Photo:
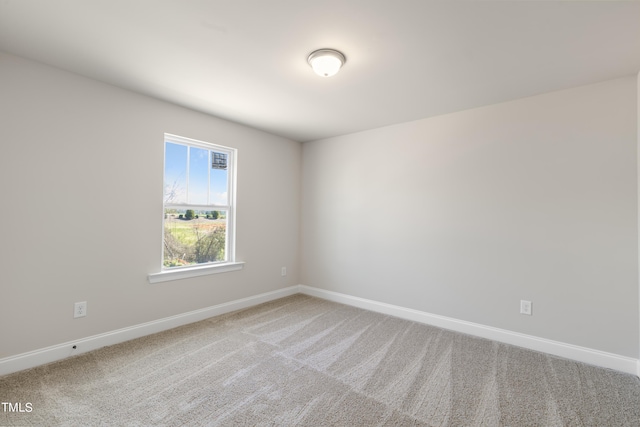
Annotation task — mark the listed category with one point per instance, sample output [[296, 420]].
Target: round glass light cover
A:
[[326, 63]]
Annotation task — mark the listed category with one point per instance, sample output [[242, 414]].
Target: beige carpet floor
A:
[[306, 361]]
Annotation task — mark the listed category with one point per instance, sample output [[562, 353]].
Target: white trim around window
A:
[[199, 270], [220, 157]]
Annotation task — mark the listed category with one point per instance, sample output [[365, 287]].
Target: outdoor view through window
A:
[[197, 202]]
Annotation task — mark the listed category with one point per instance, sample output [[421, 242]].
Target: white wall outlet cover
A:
[[80, 309], [526, 307]]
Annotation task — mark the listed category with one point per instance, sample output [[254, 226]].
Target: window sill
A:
[[185, 273]]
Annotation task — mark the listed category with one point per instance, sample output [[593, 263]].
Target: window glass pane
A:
[[197, 179], [198, 175], [175, 173], [219, 179], [194, 237]]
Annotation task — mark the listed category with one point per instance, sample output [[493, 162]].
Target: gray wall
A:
[[461, 215], [81, 172], [465, 214]]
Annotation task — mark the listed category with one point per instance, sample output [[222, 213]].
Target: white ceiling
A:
[[245, 60]]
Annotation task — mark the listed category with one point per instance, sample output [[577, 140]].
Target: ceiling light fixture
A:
[[326, 62]]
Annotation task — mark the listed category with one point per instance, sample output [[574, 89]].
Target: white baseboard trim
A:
[[61, 351], [569, 351]]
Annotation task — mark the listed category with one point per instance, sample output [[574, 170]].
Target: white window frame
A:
[[230, 264]]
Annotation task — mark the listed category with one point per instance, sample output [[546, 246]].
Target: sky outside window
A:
[[198, 176], [175, 173], [219, 186], [207, 185]]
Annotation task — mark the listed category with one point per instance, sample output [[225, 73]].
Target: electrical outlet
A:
[[526, 307], [283, 271], [80, 309]]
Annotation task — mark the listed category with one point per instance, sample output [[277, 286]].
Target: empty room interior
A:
[[443, 232]]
